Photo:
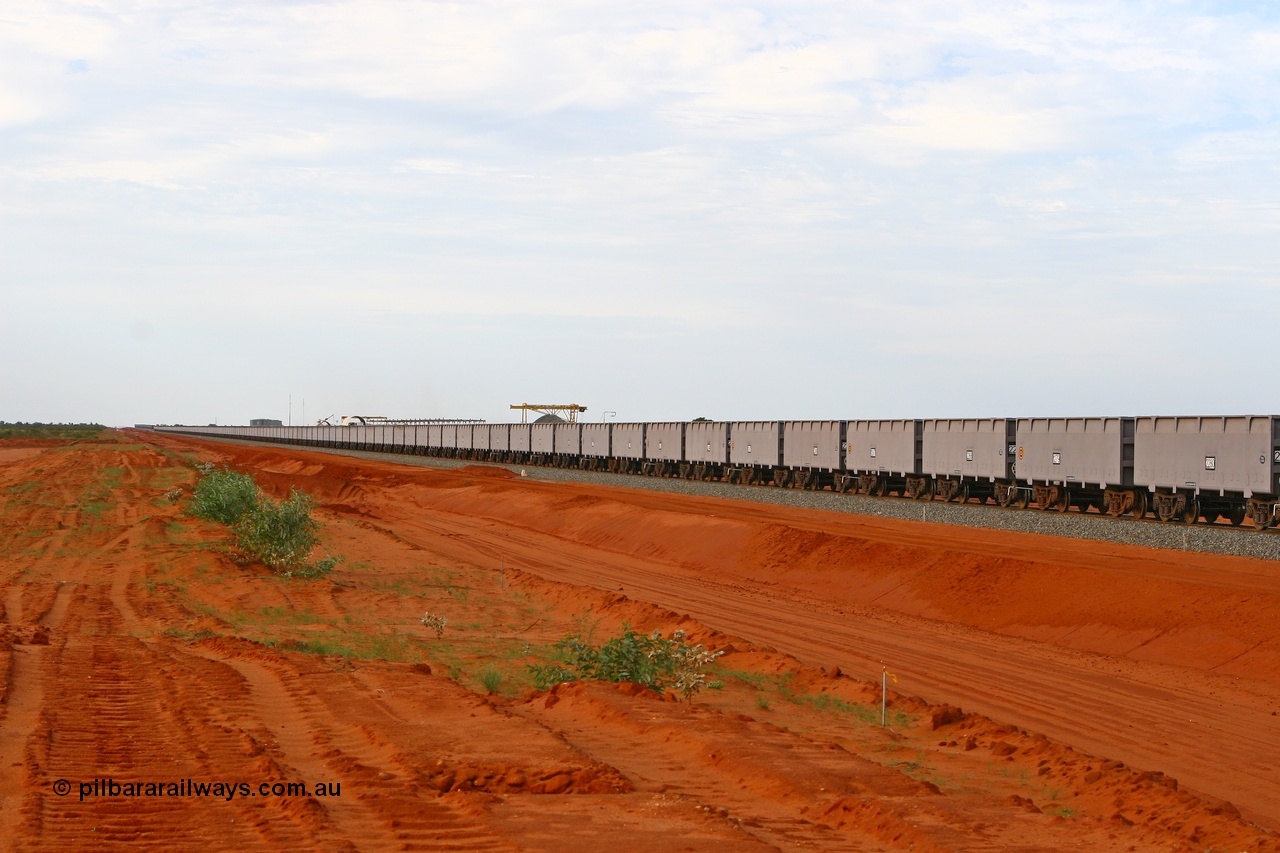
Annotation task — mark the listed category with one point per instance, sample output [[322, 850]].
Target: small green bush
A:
[[649, 660], [225, 496], [281, 535], [490, 679]]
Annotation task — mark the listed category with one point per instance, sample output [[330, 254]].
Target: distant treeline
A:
[[22, 429]]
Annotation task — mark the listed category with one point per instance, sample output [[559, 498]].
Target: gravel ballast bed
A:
[[1216, 539]]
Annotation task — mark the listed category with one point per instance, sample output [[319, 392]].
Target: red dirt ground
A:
[[1115, 698]]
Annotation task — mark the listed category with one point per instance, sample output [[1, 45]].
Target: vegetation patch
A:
[[67, 432], [224, 496], [279, 534], [649, 660]]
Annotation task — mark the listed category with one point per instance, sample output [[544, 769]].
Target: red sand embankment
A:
[[133, 641]]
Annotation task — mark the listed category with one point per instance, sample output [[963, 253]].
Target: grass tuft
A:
[[490, 679]]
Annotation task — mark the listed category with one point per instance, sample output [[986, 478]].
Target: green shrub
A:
[[225, 496], [281, 535], [651, 661], [490, 679]]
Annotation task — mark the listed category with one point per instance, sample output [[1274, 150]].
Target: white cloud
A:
[[732, 170]]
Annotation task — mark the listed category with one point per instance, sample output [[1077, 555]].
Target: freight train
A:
[[1178, 468]]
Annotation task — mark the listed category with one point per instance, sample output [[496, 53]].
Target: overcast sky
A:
[[663, 210]]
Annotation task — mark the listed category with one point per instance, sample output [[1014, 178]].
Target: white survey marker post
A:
[[885, 675]]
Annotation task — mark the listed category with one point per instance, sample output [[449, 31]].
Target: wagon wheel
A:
[[1236, 515], [960, 495], [1064, 501], [1191, 512], [1139, 508], [1023, 499]]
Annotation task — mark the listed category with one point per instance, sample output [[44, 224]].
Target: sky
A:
[[217, 211]]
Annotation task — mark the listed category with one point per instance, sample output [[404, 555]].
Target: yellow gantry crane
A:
[[569, 410]]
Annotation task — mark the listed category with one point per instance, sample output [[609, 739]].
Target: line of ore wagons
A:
[[1179, 468]]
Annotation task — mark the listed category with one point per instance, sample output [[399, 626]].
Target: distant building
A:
[[265, 422]]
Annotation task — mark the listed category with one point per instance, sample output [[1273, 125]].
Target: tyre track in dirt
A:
[[660, 738], [99, 704], [35, 606], [1221, 745], [317, 746]]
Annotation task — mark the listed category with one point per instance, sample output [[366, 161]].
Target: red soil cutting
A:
[[1114, 698]]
